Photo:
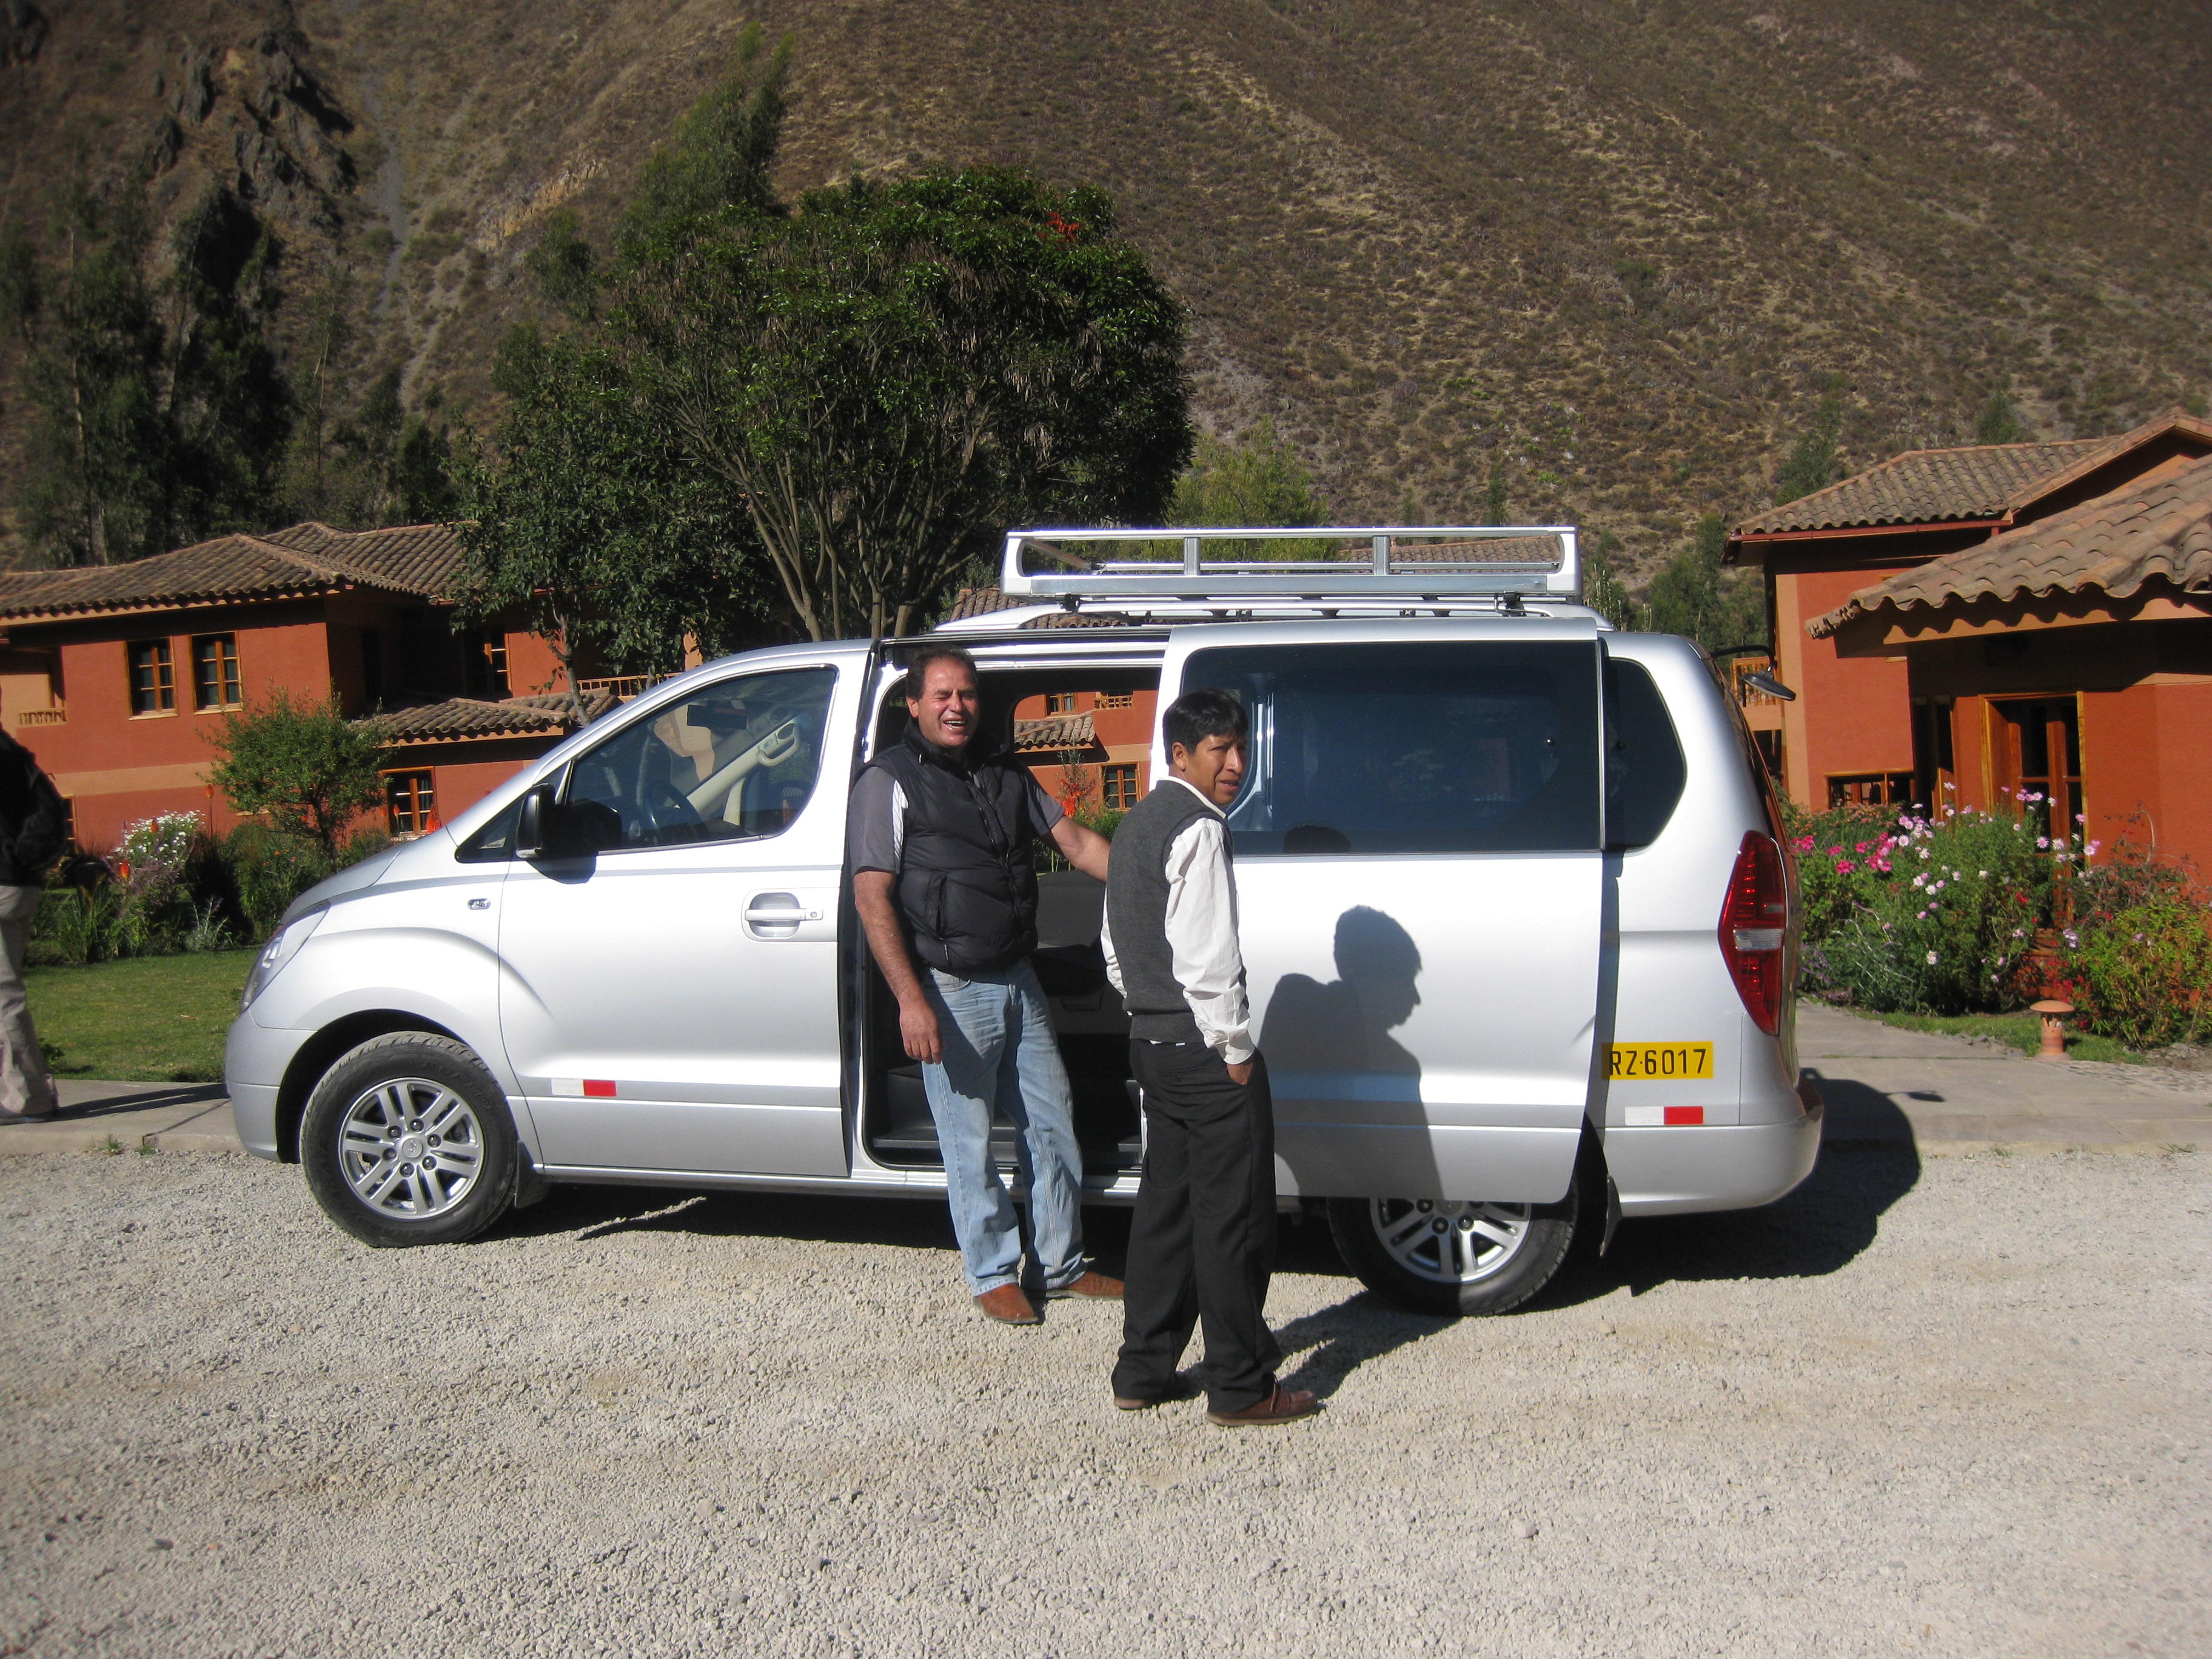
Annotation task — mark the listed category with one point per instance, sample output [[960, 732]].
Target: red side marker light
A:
[[1685, 1114], [602, 1087]]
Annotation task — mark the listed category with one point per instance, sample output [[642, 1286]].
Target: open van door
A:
[[1419, 855]]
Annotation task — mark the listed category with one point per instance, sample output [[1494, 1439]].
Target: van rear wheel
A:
[[407, 1140], [1454, 1256]]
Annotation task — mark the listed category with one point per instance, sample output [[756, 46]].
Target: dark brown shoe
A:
[[1095, 1285], [1010, 1304], [1181, 1389], [1283, 1406]]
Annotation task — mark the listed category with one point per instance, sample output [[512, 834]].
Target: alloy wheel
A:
[[1449, 1241], [410, 1148]]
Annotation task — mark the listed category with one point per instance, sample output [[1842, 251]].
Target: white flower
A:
[[2020, 933], [1985, 875], [1931, 958]]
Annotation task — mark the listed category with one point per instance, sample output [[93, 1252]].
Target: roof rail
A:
[[1432, 561]]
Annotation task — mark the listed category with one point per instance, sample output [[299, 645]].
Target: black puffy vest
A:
[[966, 884]]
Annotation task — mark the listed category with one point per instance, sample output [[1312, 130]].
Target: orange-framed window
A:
[[410, 803], [2036, 758], [1060, 703], [1120, 786], [152, 678], [1870, 788], [216, 680]]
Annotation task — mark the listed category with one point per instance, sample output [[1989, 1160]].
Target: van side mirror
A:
[[549, 827], [530, 827]]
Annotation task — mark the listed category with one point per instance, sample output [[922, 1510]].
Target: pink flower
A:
[[1845, 867], [1861, 847], [1835, 852]]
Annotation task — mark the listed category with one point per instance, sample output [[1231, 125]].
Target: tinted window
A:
[[1644, 770], [1415, 748], [737, 759]]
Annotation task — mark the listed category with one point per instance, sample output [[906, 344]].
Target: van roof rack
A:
[[1432, 561]]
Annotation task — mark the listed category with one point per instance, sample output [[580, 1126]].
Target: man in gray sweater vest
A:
[[1202, 1243]]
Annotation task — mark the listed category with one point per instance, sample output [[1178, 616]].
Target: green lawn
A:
[[2021, 1031], [145, 1020]]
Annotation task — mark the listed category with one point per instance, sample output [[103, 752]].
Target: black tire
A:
[[434, 1187], [1502, 1278]]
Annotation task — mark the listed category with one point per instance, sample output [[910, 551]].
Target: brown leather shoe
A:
[[1181, 1389], [1096, 1285], [1010, 1305], [1283, 1406]]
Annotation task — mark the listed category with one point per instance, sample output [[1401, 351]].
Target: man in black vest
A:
[[1202, 1243], [942, 840]]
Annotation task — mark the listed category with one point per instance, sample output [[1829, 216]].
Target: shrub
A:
[[1930, 916], [303, 764], [268, 869]]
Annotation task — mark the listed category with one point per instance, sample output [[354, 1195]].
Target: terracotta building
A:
[[115, 676], [1863, 729], [2069, 657]]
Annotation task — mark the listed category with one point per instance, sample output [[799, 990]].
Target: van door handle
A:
[[776, 915]]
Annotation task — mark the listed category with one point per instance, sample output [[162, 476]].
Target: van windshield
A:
[[1433, 747]]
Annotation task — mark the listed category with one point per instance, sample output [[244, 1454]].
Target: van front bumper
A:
[[254, 1059]]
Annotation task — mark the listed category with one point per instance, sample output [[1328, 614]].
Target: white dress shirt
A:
[[1201, 927]]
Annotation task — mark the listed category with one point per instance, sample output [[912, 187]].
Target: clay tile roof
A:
[[1926, 486], [983, 601], [1081, 619], [2160, 529], [460, 719], [1942, 486], [1474, 549], [1054, 733], [422, 560]]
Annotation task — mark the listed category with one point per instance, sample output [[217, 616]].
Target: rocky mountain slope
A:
[[1617, 247]]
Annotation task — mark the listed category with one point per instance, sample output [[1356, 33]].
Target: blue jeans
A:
[[998, 1048]]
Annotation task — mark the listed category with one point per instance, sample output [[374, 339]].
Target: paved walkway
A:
[[1944, 1095], [130, 1117], [1948, 1095]]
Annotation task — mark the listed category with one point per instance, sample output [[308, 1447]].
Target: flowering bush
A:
[[1932, 915]]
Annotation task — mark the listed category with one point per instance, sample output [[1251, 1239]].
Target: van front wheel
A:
[[1454, 1256], [406, 1140]]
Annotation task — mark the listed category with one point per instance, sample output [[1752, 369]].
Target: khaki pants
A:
[[26, 1086]]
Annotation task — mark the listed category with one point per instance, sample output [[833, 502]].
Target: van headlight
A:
[[283, 946]]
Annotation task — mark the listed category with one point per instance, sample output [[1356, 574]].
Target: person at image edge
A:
[[33, 833]]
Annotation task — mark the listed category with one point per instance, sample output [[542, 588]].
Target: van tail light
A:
[[1755, 929]]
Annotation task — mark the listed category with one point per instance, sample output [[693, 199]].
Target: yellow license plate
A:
[[1637, 1061]]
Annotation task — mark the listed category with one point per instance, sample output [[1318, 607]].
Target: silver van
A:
[[1518, 920]]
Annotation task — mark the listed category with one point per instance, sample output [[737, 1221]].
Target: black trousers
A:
[[1202, 1243]]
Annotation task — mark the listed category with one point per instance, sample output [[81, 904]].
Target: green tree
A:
[[1999, 422], [1817, 461], [226, 401], [585, 517], [1259, 480], [722, 152], [303, 765], [158, 412], [566, 267], [890, 376], [1696, 597], [1603, 589], [1493, 494], [92, 370]]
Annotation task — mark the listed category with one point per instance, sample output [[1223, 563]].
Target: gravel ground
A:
[[1958, 1409]]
